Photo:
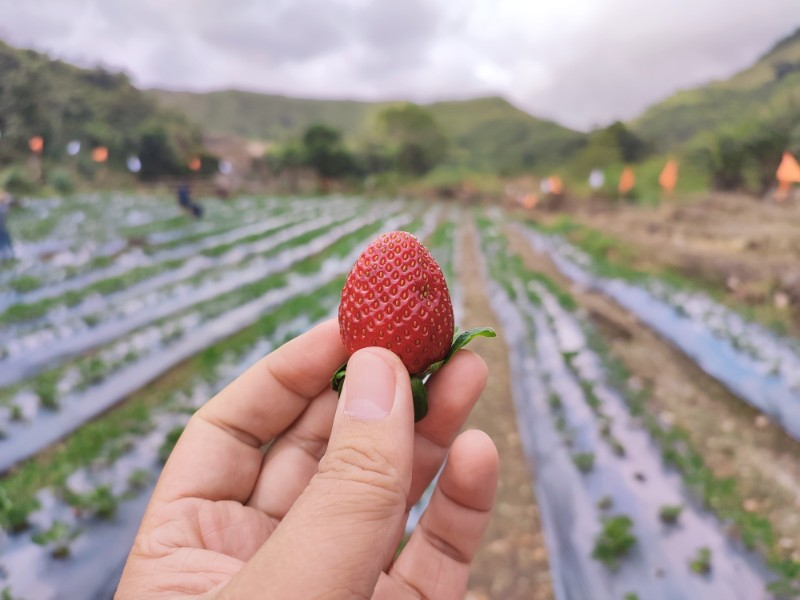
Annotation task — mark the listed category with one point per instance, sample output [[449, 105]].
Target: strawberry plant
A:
[[584, 461], [701, 563], [669, 514], [614, 541]]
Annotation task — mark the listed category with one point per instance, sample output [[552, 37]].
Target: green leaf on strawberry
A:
[[418, 391]]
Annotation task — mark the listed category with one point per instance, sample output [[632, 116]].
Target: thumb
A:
[[343, 529]]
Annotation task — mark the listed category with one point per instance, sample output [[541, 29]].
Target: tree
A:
[[414, 139], [631, 147], [324, 152], [158, 155]]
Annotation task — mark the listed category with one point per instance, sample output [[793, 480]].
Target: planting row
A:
[[325, 258], [62, 510], [139, 312], [758, 366], [120, 296], [619, 522]]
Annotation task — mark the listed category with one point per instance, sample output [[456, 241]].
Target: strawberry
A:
[[396, 297]]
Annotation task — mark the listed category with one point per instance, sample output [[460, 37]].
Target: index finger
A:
[[218, 457]]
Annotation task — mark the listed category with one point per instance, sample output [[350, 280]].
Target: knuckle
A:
[[369, 469]]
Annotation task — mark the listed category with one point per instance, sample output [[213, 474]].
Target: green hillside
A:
[[61, 102], [768, 90], [265, 116], [485, 133]]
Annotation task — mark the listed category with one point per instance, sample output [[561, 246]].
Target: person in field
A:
[[6, 246], [186, 203]]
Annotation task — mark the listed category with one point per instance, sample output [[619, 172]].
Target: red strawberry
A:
[[396, 297]]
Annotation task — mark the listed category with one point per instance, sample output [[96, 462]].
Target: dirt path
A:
[[735, 439], [749, 248], [512, 561]]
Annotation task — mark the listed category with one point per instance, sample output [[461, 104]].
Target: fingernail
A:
[[369, 386]]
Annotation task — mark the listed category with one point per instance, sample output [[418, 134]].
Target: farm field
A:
[[649, 431]]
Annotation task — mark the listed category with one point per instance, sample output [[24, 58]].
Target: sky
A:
[[583, 63]]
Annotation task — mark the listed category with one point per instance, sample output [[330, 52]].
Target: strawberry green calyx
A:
[[418, 391]]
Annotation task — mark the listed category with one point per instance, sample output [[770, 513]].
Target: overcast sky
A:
[[581, 62]]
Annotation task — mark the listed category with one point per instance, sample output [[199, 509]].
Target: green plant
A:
[[169, 443], [701, 563], [62, 182], [614, 541], [14, 515], [58, 537], [605, 503], [46, 387], [92, 371], [24, 284], [669, 514], [16, 181], [584, 461], [138, 479], [631, 596], [99, 502]]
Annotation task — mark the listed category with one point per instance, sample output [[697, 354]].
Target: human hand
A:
[[321, 513]]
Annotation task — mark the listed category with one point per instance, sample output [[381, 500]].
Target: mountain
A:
[[60, 102], [768, 90], [485, 133]]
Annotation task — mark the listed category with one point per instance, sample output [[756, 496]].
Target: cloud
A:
[[582, 62]]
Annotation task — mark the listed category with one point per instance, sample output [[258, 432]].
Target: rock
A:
[[781, 300], [667, 418], [761, 422], [786, 543], [750, 505]]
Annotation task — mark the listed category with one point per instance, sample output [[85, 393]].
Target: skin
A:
[[321, 512]]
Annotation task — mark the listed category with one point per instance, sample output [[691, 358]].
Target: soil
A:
[[735, 439], [747, 247], [512, 561]]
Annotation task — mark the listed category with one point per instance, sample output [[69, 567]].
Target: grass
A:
[[614, 541]]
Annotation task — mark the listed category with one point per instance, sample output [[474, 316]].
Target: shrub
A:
[[16, 181], [614, 541], [62, 182]]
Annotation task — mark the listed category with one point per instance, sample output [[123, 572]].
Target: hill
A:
[[61, 103], [485, 133], [768, 90]]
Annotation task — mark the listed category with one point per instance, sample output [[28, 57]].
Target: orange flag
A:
[[789, 170], [530, 200], [194, 164], [36, 144], [788, 173], [100, 154], [669, 176], [626, 181]]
